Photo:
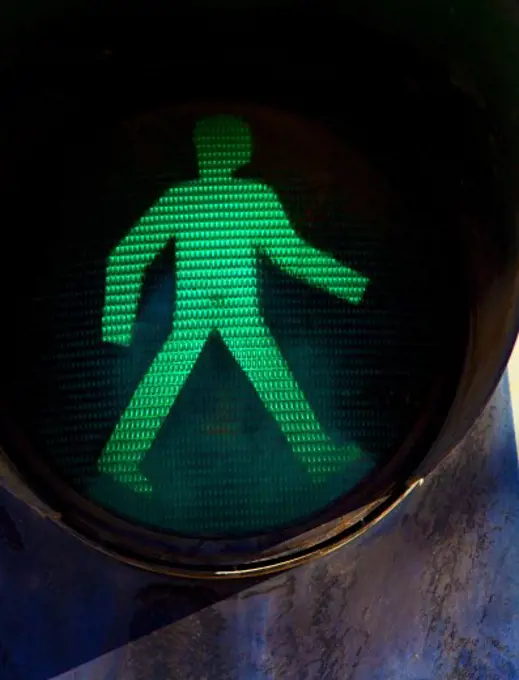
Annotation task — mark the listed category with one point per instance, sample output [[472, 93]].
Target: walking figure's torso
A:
[[217, 233]]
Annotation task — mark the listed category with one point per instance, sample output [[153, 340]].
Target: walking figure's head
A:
[[223, 144]]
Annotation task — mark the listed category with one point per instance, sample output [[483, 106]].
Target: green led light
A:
[[221, 225]]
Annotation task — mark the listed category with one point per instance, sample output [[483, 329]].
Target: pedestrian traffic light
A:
[[241, 315]]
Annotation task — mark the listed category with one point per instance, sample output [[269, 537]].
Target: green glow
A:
[[220, 224]]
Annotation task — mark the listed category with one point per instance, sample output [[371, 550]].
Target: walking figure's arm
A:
[[298, 258], [126, 268]]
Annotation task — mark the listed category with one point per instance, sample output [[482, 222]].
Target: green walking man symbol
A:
[[220, 224]]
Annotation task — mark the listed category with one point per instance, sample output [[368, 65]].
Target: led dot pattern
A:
[[221, 224], [211, 366]]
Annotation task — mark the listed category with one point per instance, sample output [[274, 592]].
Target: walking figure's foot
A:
[[129, 477], [349, 460], [136, 481]]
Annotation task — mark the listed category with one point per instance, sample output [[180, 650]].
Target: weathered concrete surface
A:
[[432, 592]]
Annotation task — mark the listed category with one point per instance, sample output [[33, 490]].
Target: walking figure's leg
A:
[[260, 358], [150, 404]]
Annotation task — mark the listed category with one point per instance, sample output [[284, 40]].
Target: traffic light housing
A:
[[393, 167]]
